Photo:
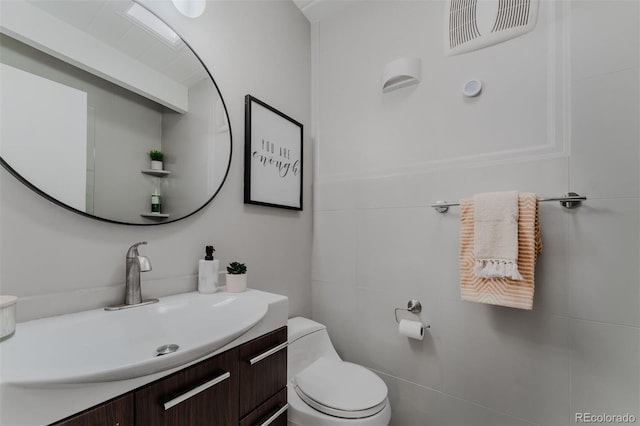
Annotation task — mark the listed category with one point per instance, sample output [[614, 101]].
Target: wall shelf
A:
[[157, 173], [155, 215]]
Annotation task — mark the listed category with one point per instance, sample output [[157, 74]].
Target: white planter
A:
[[236, 283], [156, 165], [7, 315]]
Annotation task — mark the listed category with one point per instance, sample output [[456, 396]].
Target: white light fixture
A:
[[190, 8], [472, 88], [151, 22], [402, 72]]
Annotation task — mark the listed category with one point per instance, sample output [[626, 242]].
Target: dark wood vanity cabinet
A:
[[117, 412], [203, 394], [243, 386], [263, 376], [273, 410]]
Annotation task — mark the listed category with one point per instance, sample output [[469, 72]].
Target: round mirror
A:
[[94, 93]]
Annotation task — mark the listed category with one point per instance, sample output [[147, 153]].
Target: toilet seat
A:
[[341, 389]]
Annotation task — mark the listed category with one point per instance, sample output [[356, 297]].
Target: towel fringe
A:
[[497, 268]]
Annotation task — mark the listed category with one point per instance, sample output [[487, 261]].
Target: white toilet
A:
[[323, 389]]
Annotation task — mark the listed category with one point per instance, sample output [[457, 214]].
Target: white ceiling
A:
[[106, 21]]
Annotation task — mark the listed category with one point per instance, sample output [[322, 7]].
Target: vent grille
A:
[[474, 24], [512, 14], [463, 26]]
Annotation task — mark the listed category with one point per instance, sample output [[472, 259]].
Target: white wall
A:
[[60, 262], [35, 108], [122, 128], [570, 93], [187, 142]]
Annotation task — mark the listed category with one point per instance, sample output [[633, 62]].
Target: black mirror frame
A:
[[102, 219]]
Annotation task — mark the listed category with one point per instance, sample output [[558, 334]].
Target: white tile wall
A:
[[547, 177], [603, 262], [513, 361], [333, 195], [394, 249], [605, 371], [396, 191], [334, 248], [381, 346], [334, 306], [605, 134], [578, 350], [604, 37], [418, 405]]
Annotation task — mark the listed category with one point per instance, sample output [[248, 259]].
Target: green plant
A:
[[156, 155], [236, 268]]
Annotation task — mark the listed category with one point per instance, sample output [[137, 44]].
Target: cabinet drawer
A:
[[118, 412], [203, 394], [273, 412], [262, 369]]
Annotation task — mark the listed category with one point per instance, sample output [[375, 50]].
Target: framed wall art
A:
[[272, 157]]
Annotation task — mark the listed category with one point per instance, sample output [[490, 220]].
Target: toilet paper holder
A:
[[413, 306]]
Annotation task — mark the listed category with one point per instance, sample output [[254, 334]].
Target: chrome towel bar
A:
[[569, 201]]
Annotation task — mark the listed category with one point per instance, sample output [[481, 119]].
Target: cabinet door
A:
[[272, 412], [263, 369], [118, 412], [203, 394]]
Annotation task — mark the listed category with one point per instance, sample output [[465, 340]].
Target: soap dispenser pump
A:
[[208, 272]]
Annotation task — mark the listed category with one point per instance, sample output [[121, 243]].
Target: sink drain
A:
[[166, 349]]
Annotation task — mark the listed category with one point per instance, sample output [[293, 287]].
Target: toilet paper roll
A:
[[412, 329]]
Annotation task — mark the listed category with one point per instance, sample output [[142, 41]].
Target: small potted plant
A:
[[156, 159], [236, 277]]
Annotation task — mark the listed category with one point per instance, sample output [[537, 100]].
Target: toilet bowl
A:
[[322, 389]]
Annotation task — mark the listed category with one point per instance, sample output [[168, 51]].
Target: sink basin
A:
[[99, 346]]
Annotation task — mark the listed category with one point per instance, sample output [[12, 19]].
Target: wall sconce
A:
[[402, 72], [190, 8]]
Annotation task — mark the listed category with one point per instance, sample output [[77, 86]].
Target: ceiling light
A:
[[152, 23], [190, 8]]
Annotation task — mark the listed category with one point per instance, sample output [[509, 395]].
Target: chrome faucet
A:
[[135, 264]]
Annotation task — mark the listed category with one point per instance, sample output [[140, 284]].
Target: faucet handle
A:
[[145, 264]]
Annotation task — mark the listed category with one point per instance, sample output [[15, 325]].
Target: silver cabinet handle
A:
[[193, 392], [275, 415], [267, 354]]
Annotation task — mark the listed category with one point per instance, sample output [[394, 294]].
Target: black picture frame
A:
[[273, 157]]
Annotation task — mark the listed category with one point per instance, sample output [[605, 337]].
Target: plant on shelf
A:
[[236, 277], [156, 159], [156, 155], [236, 268]]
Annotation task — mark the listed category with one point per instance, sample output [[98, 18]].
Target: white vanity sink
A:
[[100, 346]]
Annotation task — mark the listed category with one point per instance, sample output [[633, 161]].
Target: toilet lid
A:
[[341, 389]]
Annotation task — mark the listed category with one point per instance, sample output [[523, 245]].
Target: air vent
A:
[[463, 26], [474, 24]]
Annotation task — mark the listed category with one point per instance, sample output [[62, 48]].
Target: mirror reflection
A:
[[89, 90]]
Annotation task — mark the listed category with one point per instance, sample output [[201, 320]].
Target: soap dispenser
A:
[[208, 272], [155, 202]]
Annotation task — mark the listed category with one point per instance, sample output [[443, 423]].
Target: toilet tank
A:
[[308, 340]]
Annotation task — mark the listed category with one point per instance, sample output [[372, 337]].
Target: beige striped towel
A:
[[502, 291], [495, 234]]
